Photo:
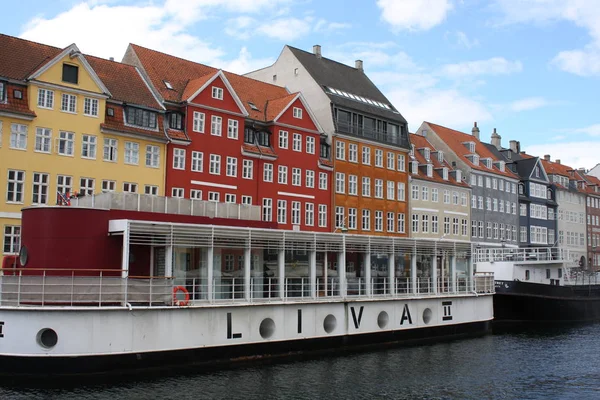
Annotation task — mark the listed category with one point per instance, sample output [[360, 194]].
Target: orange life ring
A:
[[183, 302]]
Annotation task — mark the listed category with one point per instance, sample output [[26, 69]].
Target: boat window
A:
[[526, 274]]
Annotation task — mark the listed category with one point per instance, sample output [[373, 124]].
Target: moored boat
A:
[[126, 281]]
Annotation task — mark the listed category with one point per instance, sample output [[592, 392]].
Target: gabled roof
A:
[[332, 74], [124, 82], [523, 163], [421, 142], [73, 51], [19, 58], [455, 139], [276, 107], [161, 67], [196, 86], [592, 183], [553, 168]]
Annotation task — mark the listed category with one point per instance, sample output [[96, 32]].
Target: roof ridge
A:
[[323, 58], [32, 42]]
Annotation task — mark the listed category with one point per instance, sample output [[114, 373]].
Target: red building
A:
[[238, 140]]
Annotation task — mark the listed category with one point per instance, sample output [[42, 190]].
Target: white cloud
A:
[[492, 66], [582, 13], [324, 26], [463, 40], [286, 29], [592, 130], [574, 154], [414, 15], [163, 26], [244, 63], [529, 103], [446, 107]]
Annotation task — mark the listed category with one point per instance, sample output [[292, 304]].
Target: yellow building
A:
[[72, 123]]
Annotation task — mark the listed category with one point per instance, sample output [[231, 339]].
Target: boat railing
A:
[[105, 288], [535, 254], [168, 205]]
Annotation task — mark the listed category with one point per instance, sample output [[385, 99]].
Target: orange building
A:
[[370, 183]]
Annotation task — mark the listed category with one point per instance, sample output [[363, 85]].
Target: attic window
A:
[[253, 106], [297, 113], [429, 170], [475, 159], [17, 94], [458, 175], [2, 91], [537, 172], [415, 167], [427, 153], [412, 150], [470, 146], [488, 162], [168, 85], [70, 73], [502, 166], [296, 71], [440, 156], [110, 111], [217, 93], [445, 173]]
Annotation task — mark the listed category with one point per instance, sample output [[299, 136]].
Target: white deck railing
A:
[[495, 254], [169, 205], [19, 288]]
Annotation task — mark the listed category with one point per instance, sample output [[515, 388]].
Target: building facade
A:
[[368, 135], [591, 186], [571, 216], [494, 199], [537, 197], [60, 129], [237, 140]]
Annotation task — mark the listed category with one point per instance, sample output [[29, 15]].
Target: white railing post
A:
[[367, 264]]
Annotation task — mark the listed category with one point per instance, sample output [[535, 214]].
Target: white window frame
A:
[[152, 156], [283, 139], [247, 169], [178, 158], [232, 128], [68, 103], [89, 146], [216, 125], [231, 167], [110, 149], [132, 153], [297, 142], [43, 140], [45, 99], [198, 122], [217, 93], [90, 107], [151, 190], [197, 161], [68, 140], [267, 172], [215, 164]]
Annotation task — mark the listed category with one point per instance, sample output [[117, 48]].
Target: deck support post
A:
[[210, 254], [413, 273], [434, 275], [281, 269], [312, 260], [247, 269], [342, 267], [392, 274], [453, 273]]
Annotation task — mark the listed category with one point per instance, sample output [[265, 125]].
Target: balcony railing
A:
[[532, 255], [374, 134], [106, 288], [169, 205]]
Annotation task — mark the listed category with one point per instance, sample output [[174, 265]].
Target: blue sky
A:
[[529, 68]]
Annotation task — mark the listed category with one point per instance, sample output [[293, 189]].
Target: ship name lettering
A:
[[230, 334], [357, 320], [406, 315]]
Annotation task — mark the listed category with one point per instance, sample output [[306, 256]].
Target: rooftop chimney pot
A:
[[496, 140], [475, 131], [317, 50], [557, 161], [359, 65], [112, 59], [547, 157]]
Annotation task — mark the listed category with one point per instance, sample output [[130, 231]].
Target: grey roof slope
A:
[[340, 76], [523, 165]]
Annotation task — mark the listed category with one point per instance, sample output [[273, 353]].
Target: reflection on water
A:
[[553, 362]]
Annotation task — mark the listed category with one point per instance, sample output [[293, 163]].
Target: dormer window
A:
[[487, 162], [175, 121], [297, 112], [502, 166], [440, 156], [70, 73], [537, 171], [412, 150], [415, 167], [142, 118], [549, 194], [2, 91], [458, 175], [249, 134], [475, 159], [445, 173], [263, 138], [470, 146], [429, 170], [217, 93], [427, 153]]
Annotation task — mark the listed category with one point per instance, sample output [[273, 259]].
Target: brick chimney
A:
[[547, 157], [358, 64], [317, 50], [515, 146], [557, 161], [475, 130], [496, 140]]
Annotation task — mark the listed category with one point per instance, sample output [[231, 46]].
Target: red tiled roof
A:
[[178, 135], [19, 58], [17, 106], [178, 72], [553, 168], [117, 123], [276, 106], [194, 85], [421, 142], [123, 81], [326, 162], [260, 150], [592, 183], [455, 139]]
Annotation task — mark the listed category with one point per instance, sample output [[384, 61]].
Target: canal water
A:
[[549, 363]]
